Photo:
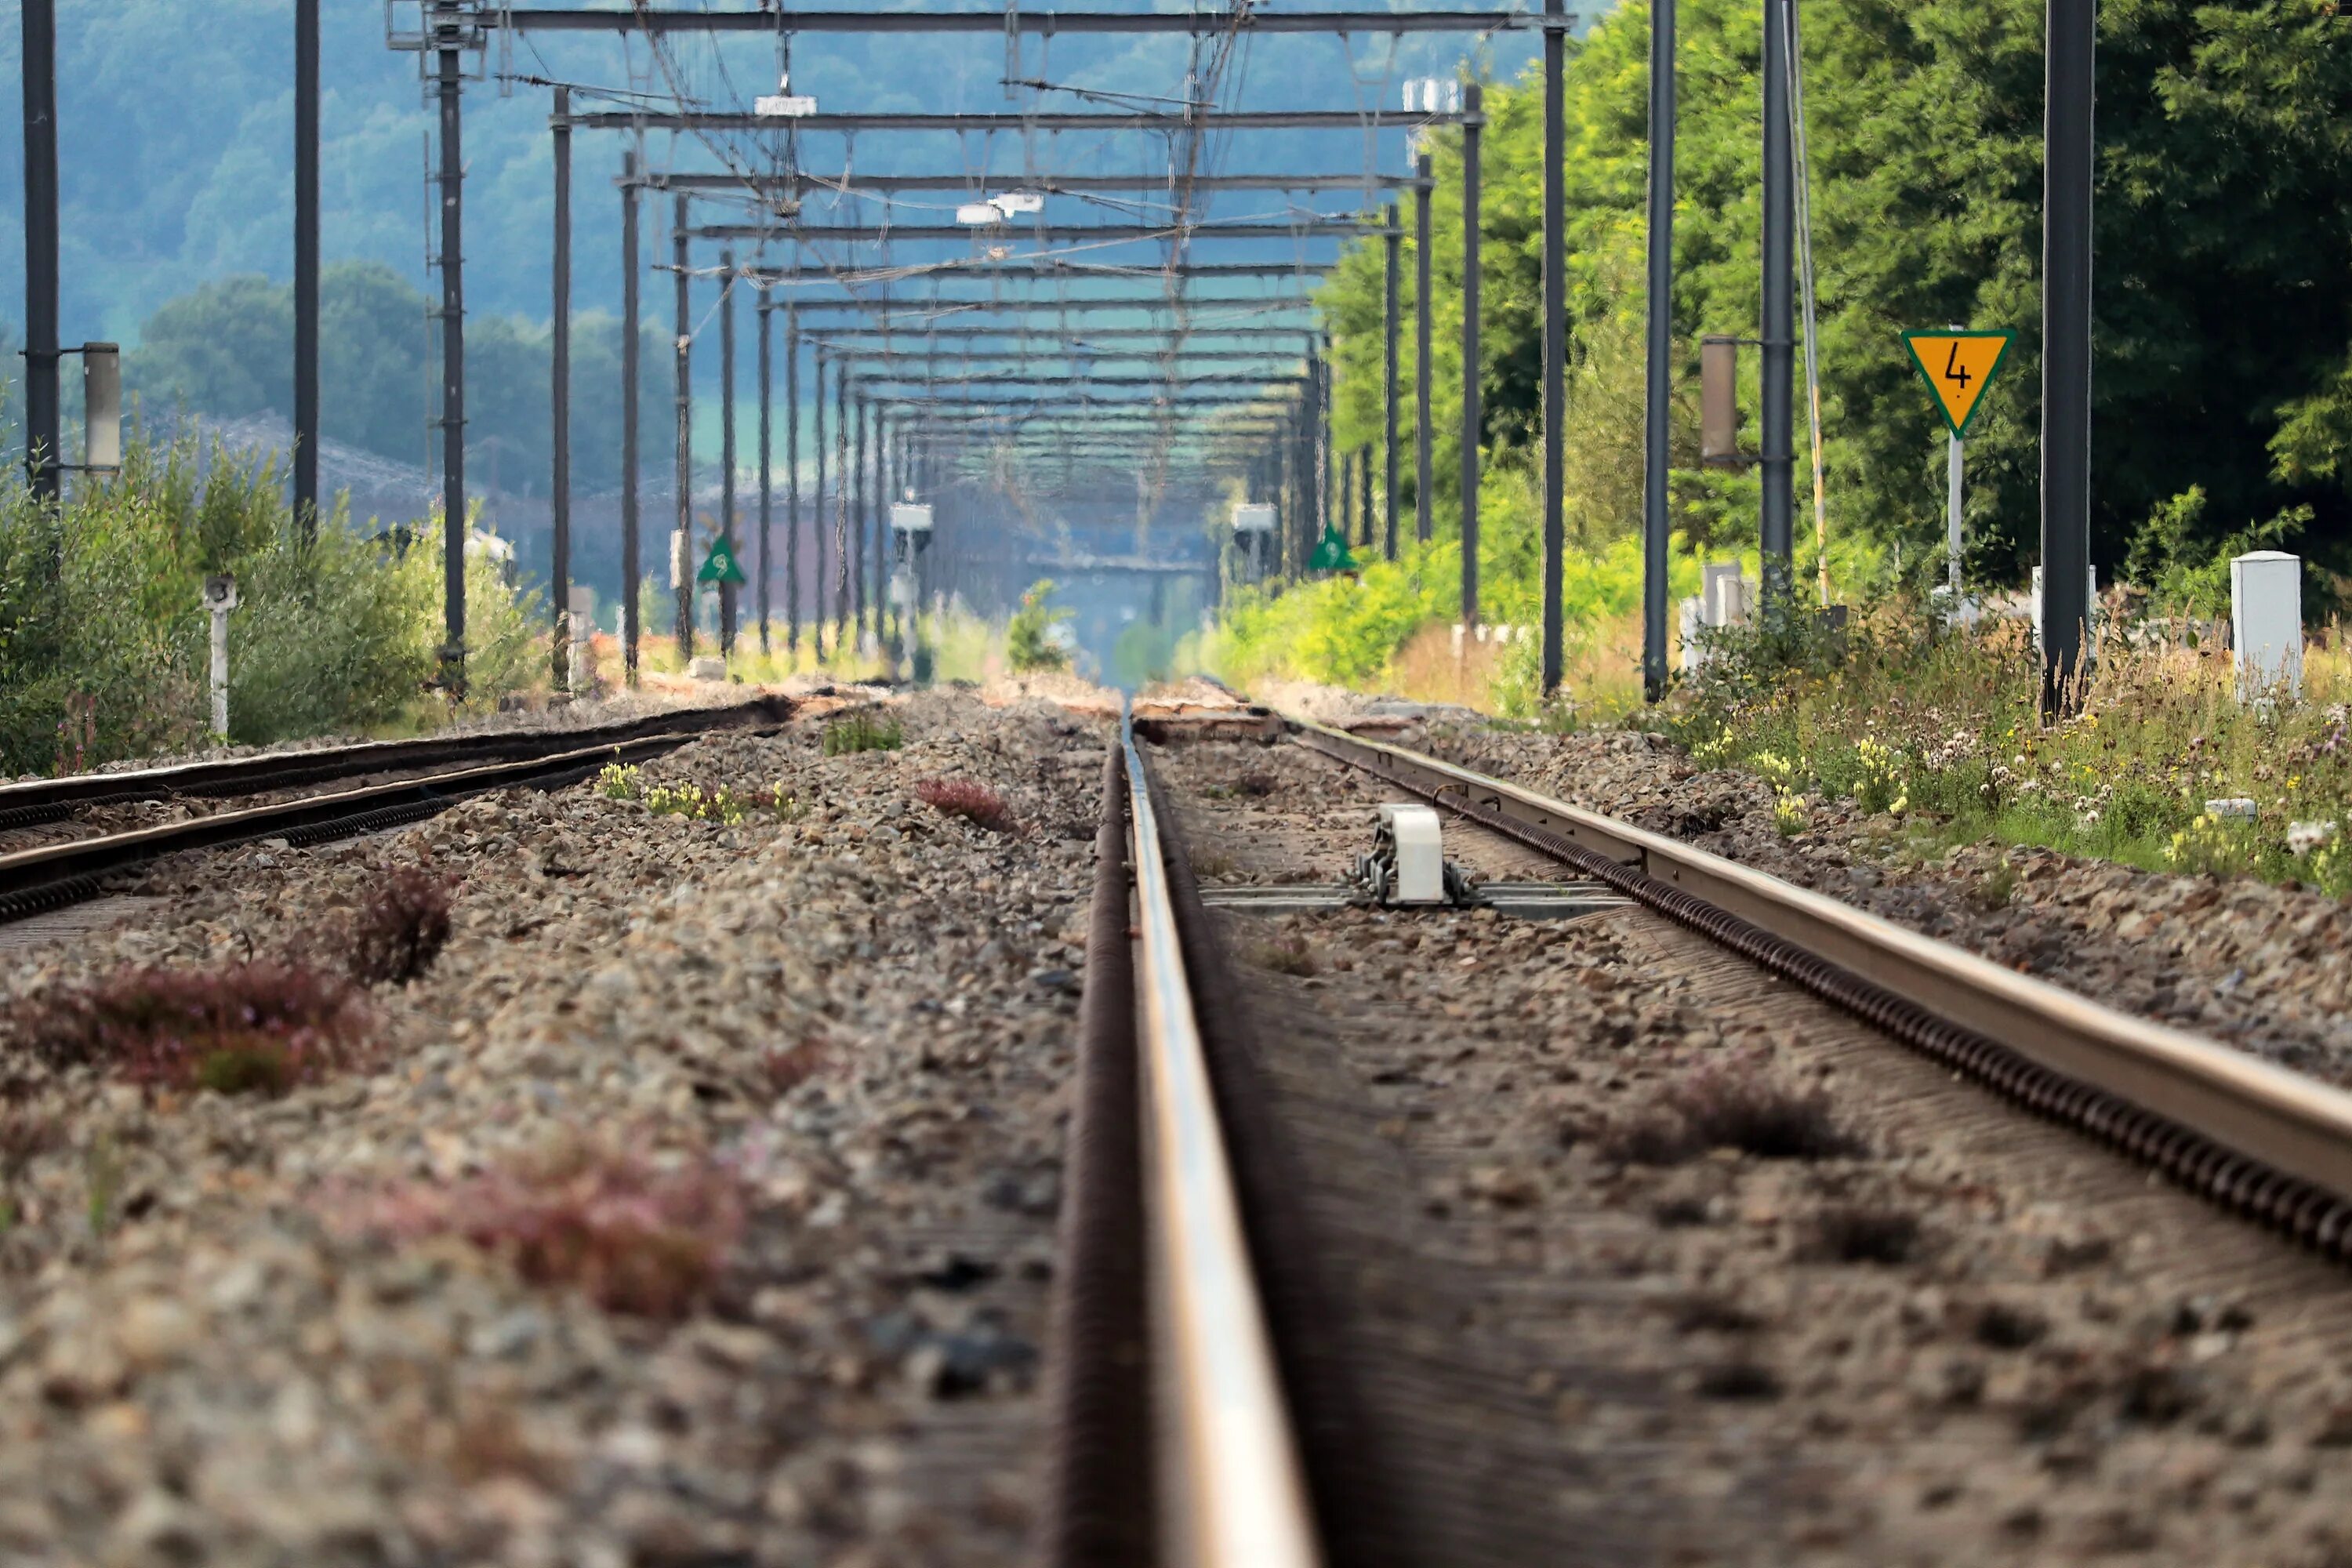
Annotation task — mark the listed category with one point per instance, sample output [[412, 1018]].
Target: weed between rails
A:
[[1284, 955], [721, 804], [975, 803], [632, 1235], [1729, 1108], [401, 929], [262, 1028], [855, 732]]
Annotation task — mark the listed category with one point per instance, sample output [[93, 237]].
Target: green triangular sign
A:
[[720, 565], [1331, 552]]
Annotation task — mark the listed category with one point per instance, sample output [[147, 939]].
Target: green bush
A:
[[1029, 642], [855, 732], [105, 648]]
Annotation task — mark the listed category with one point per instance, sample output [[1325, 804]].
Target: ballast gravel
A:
[[852, 1014], [2241, 960], [1904, 1324]]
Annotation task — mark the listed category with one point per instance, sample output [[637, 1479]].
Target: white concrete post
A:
[[1693, 617], [1710, 600], [2266, 618], [581, 616], [220, 598]]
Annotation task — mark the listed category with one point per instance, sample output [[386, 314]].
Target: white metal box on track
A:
[[1412, 831]]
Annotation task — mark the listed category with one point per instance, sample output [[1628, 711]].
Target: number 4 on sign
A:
[[1957, 367]]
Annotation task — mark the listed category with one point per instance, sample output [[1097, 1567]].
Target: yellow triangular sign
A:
[[1958, 366]]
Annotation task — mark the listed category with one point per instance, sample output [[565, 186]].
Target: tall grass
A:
[[1945, 732], [1391, 627], [104, 645]]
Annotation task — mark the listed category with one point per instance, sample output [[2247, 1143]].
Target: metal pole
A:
[[891, 459], [726, 444], [1425, 479], [1364, 490], [842, 634], [767, 484], [1658, 370], [1389, 384], [888, 459], [1952, 519], [817, 616], [1778, 353], [558, 490], [1293, 516], [631, 569], [1328, 456], [861, 495], [792, 481], [1303, 478], [1345, 517], [1470, 359], [453, 380], [878, 542], [681, 549], [1555, 342], [44, 419], [2067, 168], [306, 268], [219, 672]]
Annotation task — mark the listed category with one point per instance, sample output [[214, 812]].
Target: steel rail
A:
[[2253, 1136], [1244, 1496], [53, 874], [1099, 1503], [49, 800]]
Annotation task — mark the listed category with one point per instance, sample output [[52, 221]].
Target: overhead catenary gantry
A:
[[642, 18], [1207, 120], [450, 30], [1258, 229], [1075, 338], [1170, 356], [1240, 307], [1071, 278], [753, 184]]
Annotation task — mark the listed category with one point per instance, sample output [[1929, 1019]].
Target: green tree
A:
[[227, 350], [2222, 310]]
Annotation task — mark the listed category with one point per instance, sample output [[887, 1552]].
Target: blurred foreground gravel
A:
[[229, 1334]]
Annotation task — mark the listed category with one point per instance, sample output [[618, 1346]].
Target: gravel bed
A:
[[290, 1330], [2261, 967], [1614, 1312]]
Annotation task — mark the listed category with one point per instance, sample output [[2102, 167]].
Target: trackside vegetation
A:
[[104, 644], [2223, 406], [1941, 735]]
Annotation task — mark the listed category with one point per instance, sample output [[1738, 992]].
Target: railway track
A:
[[1271, 1379], [428, 775]]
